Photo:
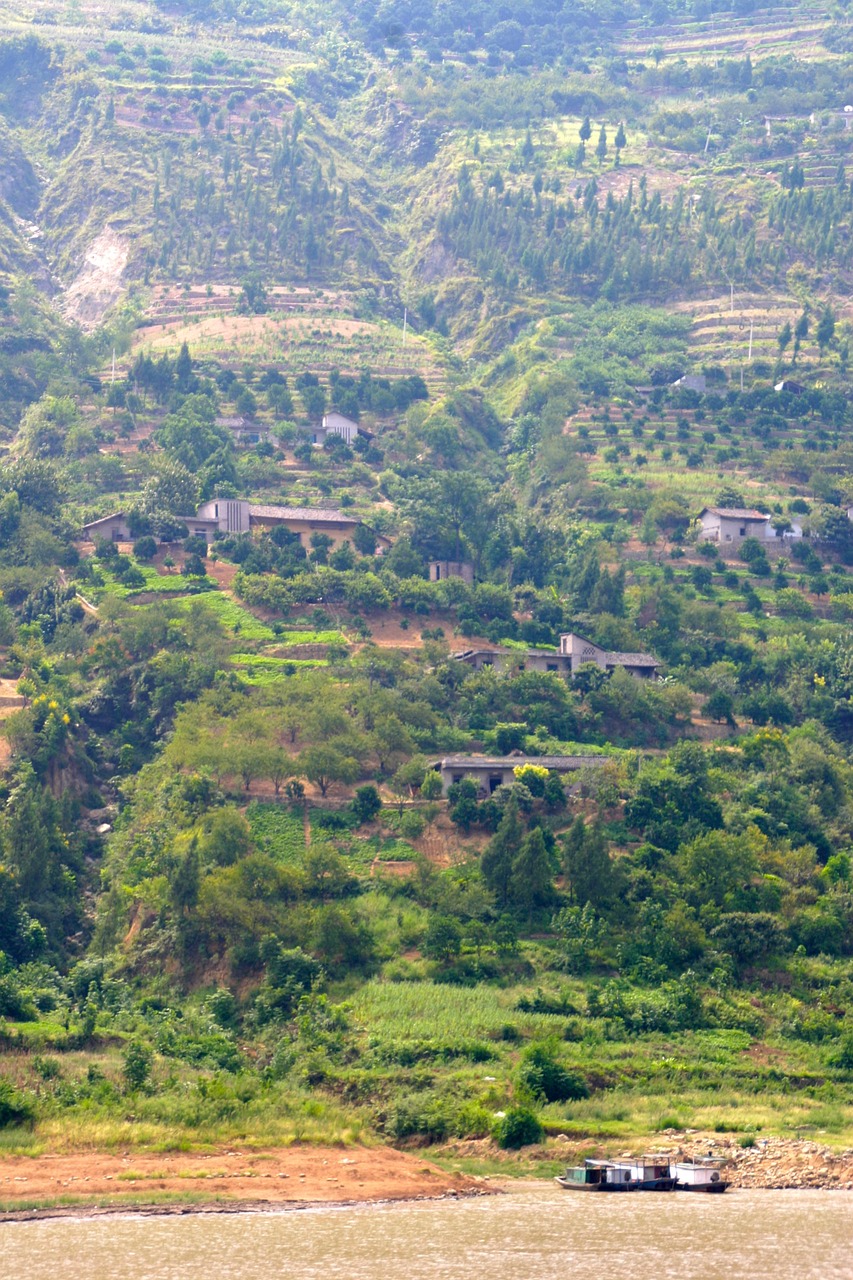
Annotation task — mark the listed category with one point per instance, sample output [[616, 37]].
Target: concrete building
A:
[[235, 515], [521, 660], [733, 524], [111, 528], [580, 650], [692, 382], [441, 569], [338, 424], [491, 772], [244, 432]]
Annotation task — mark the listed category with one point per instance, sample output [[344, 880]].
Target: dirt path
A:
[[276, 1177]]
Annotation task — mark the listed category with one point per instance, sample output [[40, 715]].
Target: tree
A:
[[431, 787], [443, 940], [366, 803], [825, 331], [138, 1059], [328, 763], [586, 864], [194, 567], [531, 884], [784, 337], [585, 131], [620, 140], [801, 330], [497, 862], [173, 489], [601, 145]]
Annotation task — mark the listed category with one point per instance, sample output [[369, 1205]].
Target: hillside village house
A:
[[337, 424], [236, 515], [491, 772], [244, 432], [580, 650], [573, 652], [733, 524], [239, 516]]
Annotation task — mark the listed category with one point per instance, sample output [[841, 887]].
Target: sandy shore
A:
[[292, 1177]]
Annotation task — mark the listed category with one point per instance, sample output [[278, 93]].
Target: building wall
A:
[[336, 424], [304, 528], [441, 569], [723, 529], [231, 514], [580, 650], [113, 530], [486, 779]]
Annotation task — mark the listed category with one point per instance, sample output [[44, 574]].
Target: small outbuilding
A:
[[441, 569]]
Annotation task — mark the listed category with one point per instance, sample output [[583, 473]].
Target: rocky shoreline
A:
[[772, 1164]]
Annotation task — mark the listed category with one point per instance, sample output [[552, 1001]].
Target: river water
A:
[[536, 1232]]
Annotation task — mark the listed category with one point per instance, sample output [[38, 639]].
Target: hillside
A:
[[397, 350]]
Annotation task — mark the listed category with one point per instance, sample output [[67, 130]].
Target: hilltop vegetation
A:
[[236, 903]]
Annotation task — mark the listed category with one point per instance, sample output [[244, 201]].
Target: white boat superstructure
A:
[[704, 1174]]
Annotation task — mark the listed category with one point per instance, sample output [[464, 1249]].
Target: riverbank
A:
[[771, 1164], [291, 1177]]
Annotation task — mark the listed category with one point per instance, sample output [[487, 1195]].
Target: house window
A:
[[551, 666], [742, 531], [438, 573], [494, 782], [488, 662], [457, 777]]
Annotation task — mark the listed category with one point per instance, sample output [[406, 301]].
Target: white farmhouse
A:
[[733, 524]]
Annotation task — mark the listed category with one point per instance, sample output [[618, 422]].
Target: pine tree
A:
[[586, 863], [585, 131], [601, 145], [825, 331], [620, 139], [531, 885], [497, 862]]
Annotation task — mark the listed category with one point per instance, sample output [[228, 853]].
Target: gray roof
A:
[[516, 762], [735, 513], [93, 524], [317, 514], [631, 659]]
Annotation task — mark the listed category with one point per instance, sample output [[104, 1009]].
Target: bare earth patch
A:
[[292, 1175], [98, 283]]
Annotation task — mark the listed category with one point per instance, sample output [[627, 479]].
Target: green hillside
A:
[[555, 263]]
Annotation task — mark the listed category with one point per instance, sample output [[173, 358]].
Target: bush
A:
[[546, 1078], [145, 548], [520, 1127], [137, 1064], [14, 1107], [366, 803]]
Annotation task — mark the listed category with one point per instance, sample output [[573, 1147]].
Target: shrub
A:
[[520, 1127], [145, 548], [137, 1064], [546, 1078], [366, 803], [14, 1107]]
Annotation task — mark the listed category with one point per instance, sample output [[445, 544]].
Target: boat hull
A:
[[707, 1188]]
